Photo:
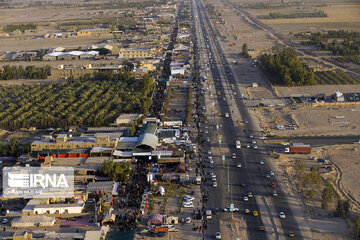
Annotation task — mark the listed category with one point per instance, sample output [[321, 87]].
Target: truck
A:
[[298, 148], [156, 229], [198, 180], [238, 144]]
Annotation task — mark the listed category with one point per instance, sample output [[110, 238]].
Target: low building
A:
[[65, 208], [339, 97], [102, 187], [71, 55], [63, 142], [65, 72], [92, 32], [32, 221], [134, 53], [127, 118]]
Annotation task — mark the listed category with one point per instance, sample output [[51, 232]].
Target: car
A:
[[253, 141], [233, 209], [274, 193], [247, 145], [211, 165], [190, 205], [238, 165], [243, 185], [255, 147], [245, 199], [261, 162], [262, 137], [273, 185], [247, 211], [234, 155], [208, 139], [217, 211], [282, 215], [218, 235], [188, 198], [255, 213], [272, 173], [187, 202], [209, 152], [211, 161], [268, 176], [188, 220], [5, 220], [214, 184], [206, 131], [262, 228], [209, 157], [250, 195], [211, 173], [291, 234], [251, 136]]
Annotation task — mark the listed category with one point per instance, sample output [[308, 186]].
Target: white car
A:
[[272, 173], [189, 198], [251, 136], [5, 220], [282, 215], [210, 157], [245, 199], [234, 155], [247, 145], [214, 184], [267, 176], [238, 165], [190, 205], [209, 152], [255, 146], [261, 162], [253, 141], [218, 235], [188, 220], [211, 173]]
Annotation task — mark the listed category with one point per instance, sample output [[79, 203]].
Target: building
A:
[[127, 118], [102, 187], [71, 55], [65, 72], [92, 32], [339, 97], [133, 53], [65, 208], [63, 142], [32, 221]]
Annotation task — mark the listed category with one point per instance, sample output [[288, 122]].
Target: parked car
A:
[[238, 165], [218, 235], [282, 215], [247, 211], [245, 199]]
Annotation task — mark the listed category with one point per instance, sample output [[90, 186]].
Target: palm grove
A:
[[90, 101]]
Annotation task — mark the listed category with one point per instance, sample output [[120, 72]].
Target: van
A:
[[208, 214]]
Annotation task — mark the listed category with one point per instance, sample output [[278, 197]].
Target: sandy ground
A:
[[311, 120], [346, 158], [314, 90], [340, 16], [17, 44]]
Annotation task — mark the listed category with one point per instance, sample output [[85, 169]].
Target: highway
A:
[[252, 174]]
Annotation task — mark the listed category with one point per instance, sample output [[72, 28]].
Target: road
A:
[[252, 174]]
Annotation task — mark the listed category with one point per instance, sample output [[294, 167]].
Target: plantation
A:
[[86, 102], [335, 77]]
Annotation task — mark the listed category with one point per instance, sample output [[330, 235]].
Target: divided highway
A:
[[252, 174]]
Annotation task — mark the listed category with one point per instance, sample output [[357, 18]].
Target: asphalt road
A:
[[252, 174]]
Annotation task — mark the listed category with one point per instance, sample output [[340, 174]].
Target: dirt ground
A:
[[314, 90], [310, 120], [340, 16], [346, 159]]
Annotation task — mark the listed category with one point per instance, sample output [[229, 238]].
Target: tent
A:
[[155, 219]]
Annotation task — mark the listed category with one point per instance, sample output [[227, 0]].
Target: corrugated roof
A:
[[148, 128], [147, 139]]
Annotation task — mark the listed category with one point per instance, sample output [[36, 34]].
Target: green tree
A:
[[327, 196], [245, 49], [357, 225]]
